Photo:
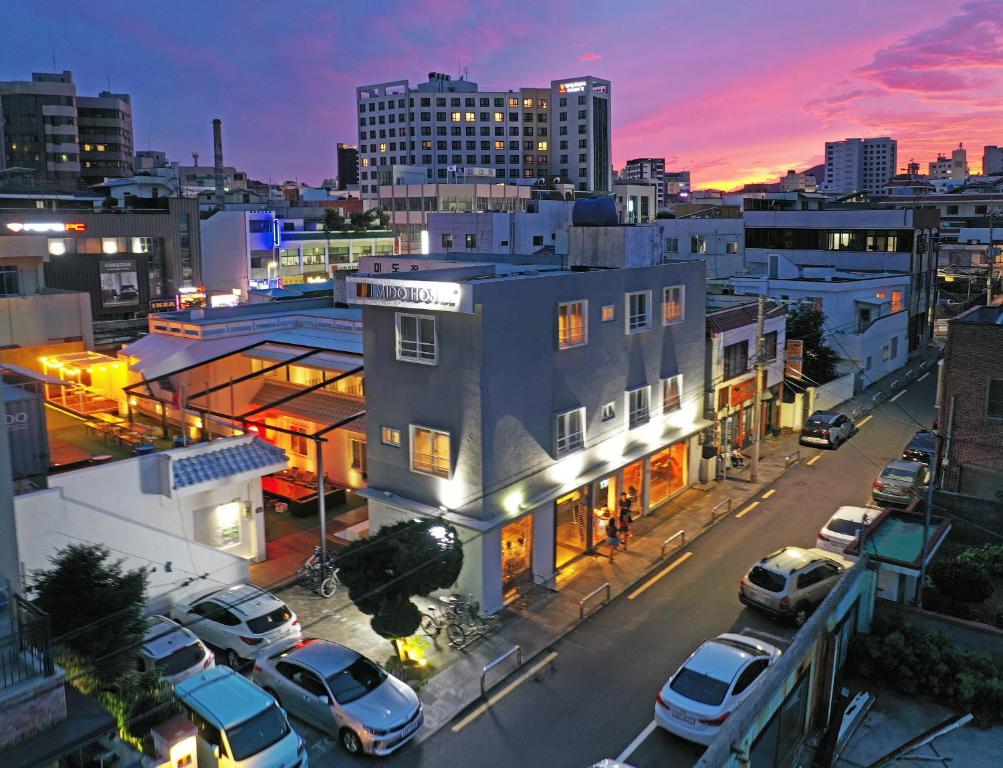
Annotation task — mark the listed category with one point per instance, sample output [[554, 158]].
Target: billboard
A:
[[794, 357], [119, 283]]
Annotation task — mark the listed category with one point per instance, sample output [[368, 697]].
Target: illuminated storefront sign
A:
[[445, 297], [46, 227], [224, 300], [190, 298], [745, 390], [575, 86]]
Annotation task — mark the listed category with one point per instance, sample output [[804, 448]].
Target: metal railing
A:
[[581, 603], [680, 534], [792, 458], [715, 510], [517, 650], [25, 650]]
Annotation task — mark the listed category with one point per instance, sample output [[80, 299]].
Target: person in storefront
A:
[[612, 536], [624, 523]]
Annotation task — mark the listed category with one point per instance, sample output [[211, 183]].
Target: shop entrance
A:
[[668, 472], [517, 549], [572, 525], [633, 486]]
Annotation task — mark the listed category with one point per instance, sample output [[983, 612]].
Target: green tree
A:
[[334, 220], [398, 562], [383, 217], [807, 323]]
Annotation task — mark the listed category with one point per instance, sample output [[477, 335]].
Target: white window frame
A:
[[390, 436], [361, 465], [434, 360], [665, 304], [572, 444], [636, 419], [411, 441], [608, 412], [628, 318], [672, 245], [666, 384], [585, 324]]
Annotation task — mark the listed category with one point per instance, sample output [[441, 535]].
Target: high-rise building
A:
[[61, 137], [855, 165], [348, 165], [442, 126], [992, 160], [953, 167], [648, 169]]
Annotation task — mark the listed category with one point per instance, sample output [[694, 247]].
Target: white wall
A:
[[28, 321], [225, 258]]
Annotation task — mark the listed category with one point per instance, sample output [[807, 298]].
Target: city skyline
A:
[[736, 98]]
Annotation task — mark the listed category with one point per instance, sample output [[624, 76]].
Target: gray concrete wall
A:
[[967, 634]]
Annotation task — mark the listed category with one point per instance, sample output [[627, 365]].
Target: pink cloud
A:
[[590, 56], [827, 107]]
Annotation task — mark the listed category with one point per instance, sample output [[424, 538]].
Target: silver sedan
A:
[[343, 693]]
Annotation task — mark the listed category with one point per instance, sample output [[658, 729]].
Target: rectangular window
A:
[[298, 441], [994, 400], [608, 313], [895, 347], [770, 346], [390, 436], [469, 117], [638, 311], [731, 247], [447, 241], [358, 449], [608, 412], [470, 241], [736, 359], [454, 117], [638, 410], [672, 245], [9, 285], [698, 244], [672, 393], [672, 304], [569, 432], [430, 452], [572, 324], [416, 342]]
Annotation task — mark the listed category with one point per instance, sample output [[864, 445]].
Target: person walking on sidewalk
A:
[[612, 537], [624, 524]]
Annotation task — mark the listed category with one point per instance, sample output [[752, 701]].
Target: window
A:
[[572, 324], [447, 241], [770, 346], [542, 146], [672, 393], [537, 240], [994, 404], [637, 407], [672, 245], [9, 285], [750, 674], [358, 452], [470, 241], [298, 441], [736, 359], [672, 305], [527, 103], [608, 313], [698, 244], [454, 117], [569, 432], [430, 452], [416, 338], [895, 347], [608, 412], [390, 436], [731, 247], [638, 311], [469, 117]]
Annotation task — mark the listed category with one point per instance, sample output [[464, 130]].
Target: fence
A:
[[25, 649]]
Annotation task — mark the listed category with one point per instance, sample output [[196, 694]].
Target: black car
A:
[[921, 448]]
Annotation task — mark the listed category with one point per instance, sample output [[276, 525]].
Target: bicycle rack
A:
[[681, 535], [716, 507], [581, 603], [517, 650]]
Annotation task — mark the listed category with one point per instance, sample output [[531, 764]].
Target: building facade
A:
[[544, 225], [104, 125], [648, 169], [348, 165], [992, 160], [853, 165], [526, 133], [954, 167], [529, 474]]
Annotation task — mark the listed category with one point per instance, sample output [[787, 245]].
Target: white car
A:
[[843, 527], [242, 621], [173, 650], [705, 690]]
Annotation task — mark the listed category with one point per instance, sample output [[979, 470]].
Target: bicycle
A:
[[460, 616], [323, 580]]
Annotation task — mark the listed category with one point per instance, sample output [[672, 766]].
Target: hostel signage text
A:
[[410, 294]]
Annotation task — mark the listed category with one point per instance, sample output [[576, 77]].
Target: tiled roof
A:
[[321, 407], [738, 317], [214, 465]]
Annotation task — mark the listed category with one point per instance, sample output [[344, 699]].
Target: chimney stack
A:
[[217, 145]]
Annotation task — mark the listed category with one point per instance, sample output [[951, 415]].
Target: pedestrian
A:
[[612, 537], [624, 525], [625, 502]]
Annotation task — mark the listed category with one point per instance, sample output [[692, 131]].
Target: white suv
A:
[[242, 621], [791, 581]]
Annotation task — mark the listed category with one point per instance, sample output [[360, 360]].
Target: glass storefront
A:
[[606, 494], [668, 473], [572, 523], [517, 547], [633, 485]]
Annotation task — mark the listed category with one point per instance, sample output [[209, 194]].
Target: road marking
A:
[[863, 421], [813, 459], [923, 376], [897, 396], [637, 741], [504, 692], [747, 510], [658, 576], [769, 493], [751, 631]]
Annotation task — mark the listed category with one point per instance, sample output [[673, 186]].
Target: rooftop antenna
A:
[[466, 73], [107, 75], [195, 157], [53, 59]]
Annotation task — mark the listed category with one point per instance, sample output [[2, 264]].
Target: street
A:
[[595, 699]]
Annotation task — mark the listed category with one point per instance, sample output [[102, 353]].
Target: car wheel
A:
[[801, 614], [233, 661], [351, 742]]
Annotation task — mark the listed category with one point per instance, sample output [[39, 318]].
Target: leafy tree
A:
[[334, 220], [806, 322], [383, 217], [398, 562], [95, 609], [962, 581]]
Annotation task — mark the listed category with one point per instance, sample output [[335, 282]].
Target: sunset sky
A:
[[734, 90]]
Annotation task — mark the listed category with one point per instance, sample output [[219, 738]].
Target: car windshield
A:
[[696, 686], [923, 441], [768, 580], [181, 659], [355, 681], [258, 733], [269, 621], [817, 422], [897, 473], [844, 526]]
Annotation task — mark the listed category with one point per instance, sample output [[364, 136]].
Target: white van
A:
[[239, 725]]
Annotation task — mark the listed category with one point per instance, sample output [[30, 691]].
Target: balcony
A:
[[25, 652]]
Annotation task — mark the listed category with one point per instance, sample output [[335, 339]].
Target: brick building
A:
[[971, 403]]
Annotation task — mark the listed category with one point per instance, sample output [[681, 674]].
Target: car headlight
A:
[[375, 731]]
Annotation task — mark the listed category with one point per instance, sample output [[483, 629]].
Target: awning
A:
[[158, 354], [320, 407]]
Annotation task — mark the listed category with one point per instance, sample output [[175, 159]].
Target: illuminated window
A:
[[358, 451], [87, 147], [499, 117], [608, 313], [383, 147], [527, 103], [499, 145], [638, 311], [569, 432], [390, 436], [109, 245], [541, 103], [469, 117], [365, 162], [897, 305], [298, 442], [672, 393], [572, 324], [101, 147], [454, 117], [638, 411], [672, 305], [430, 452], [57, 247], [513, 102], [542, 146]]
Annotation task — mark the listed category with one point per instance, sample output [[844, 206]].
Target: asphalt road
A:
[[596, 699]]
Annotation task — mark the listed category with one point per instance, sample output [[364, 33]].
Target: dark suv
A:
[[921, 448], [827, 428]]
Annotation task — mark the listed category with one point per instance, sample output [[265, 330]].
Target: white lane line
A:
[[863, 421], [771, 636], [504, 692], [923, 376], [658, 576], [747, 510], [769, 493], [813, 459], [638, 741], [897, 396]]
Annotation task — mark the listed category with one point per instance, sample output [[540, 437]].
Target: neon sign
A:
[[575, 86], [43, 227]]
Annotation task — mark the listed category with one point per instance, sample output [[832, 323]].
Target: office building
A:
[[104, 124], [561, 130], [992, 160], [650, 169], [954, 167], [348, 165], [855, 165], [677, 183]]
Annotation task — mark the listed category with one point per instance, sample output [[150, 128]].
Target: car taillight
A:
[[250, 640], [785, 602], [878, 484], [258, 668], [716, 720], [825, 431], [660, 700], [823, 537]]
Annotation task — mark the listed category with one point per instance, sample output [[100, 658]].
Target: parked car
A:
[[827, 428], [705, 690], [343, 693], [900, 482], [843, 527], [242, 621], [791, 581], [239, 725], [173, 650], [922, 447]]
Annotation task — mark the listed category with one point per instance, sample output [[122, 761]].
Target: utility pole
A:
[[991, 261], [758, 407]]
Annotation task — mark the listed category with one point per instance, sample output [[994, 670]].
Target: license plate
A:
[[684, 717]]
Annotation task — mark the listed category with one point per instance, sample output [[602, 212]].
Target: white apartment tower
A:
[[992, 160], [953, 167], [442, 125], [854, 165]]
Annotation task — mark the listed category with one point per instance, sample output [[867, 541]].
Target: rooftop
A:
[[738, 317], [981, 316], [225, 462]]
